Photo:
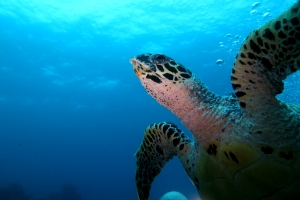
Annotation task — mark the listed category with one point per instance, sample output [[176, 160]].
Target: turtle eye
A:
[[158, 59], [152, 67]]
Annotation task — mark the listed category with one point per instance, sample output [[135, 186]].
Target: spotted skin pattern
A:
[[161, 142], [267, 56], [168, 68], [245, 146]]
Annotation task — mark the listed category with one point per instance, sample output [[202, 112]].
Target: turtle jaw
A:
[[142, 64]]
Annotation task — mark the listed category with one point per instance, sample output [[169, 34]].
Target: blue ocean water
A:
[[72, 112]]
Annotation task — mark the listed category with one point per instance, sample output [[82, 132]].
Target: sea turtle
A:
[[245, 145]]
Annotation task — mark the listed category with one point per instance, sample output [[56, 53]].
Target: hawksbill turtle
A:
[[245, 145]]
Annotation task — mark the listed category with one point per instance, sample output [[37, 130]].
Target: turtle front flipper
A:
[[161, 142], [267, 56]]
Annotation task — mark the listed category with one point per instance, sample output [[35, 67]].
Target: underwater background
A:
[[72, 112]]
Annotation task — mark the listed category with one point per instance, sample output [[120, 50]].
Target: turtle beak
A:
[[142, 64], [133, 62], [137, 67]]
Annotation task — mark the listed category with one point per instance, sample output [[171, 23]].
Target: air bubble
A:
[[255, 4], [220, 61]]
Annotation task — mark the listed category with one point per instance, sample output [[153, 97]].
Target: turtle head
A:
[[176, 88], [166, 80], [159, 69]]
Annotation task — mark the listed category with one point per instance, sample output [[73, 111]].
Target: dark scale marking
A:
[[260, 42], [254, 47], [297, 36], [245, 47], [176, 142], [154, 78], [292, 32], [287, 156], [240, 94], [249, 63], [281, 35], [251, 81], [243, 55], [233, 70], [292, 68], [284, 49], [160, 68], [160, 125], [234, 86], [285, 43], [159, 150], [295, 10], [233, 157], [165, 128], [181, 146], [267, 150], [149, 138], [290, 48], [258, 132], [196, 180], [144, 57], [284, 20], [291, 41], [170, 132], [243, 104], [181, 69], [277, 25], [296, 56], [268, 34], [173, 63], [139, 183], [281, 55], [146, 189], [286, 27], [273, 46], [171, 69], [185, 75], [160, 57], [247, 71], [212, 149], [172, 125], [168, 76], [251, 56], [147, 142], [295, 21], [233, 78], [267, 64], [267, 46], [242, 62], [226, 155], [265, 51]]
